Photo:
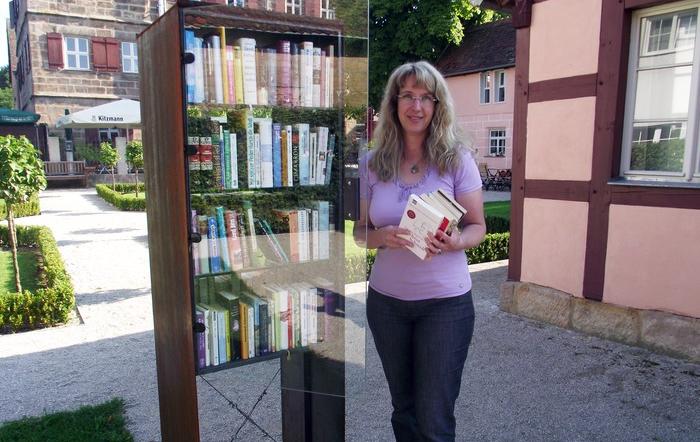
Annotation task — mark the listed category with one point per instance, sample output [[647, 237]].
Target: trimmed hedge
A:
[[494, 247], [52, 303], [496, 224], [29, 208], [120, 201]]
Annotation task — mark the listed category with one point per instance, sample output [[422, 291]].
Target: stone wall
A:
[[659, 331]]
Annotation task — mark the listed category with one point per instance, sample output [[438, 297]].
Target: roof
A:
[[485, 47], [11, 117]]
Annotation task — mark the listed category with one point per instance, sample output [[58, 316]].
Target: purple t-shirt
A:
[[398, 272]]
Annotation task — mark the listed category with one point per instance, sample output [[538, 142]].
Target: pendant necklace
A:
[[415, 169]]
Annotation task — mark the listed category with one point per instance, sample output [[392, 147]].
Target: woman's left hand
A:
[[441, 243]]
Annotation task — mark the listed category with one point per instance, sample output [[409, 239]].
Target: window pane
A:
[[676, 48], [501, 94], [83, 62], [82, 45], [72, 63], [126, 49], [663, 93], [658, 147], [685, 33], [659, 33], [70, 44]]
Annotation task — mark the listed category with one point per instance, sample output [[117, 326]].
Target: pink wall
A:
[[554, 244], [475, 119], [564, 38], [560, 139], [652, 259]]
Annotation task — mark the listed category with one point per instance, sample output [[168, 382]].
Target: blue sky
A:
[[4, 14]]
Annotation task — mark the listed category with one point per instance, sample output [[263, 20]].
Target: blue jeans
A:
[[423, 346]]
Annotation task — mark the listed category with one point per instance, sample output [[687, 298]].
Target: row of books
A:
[[231, 239], [276, 154], [293, 74], [242, 325]]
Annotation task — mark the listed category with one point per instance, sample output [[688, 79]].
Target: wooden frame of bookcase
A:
[[306, 416]]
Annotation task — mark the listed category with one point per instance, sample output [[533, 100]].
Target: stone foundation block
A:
[[675, 334], [606, 320], [543, 304], [507, 301]]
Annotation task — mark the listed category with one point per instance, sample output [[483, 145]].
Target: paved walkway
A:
[[523, 380]]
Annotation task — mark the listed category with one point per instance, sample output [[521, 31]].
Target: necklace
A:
[[415, 169]]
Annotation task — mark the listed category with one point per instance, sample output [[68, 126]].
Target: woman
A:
[[420, 312]]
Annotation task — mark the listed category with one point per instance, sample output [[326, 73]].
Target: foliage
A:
[[494, 247], [49, 305], [403, 30], [104, 422], [109, 158], [119, 200], [496, 224], [90, 154], [134, 156], [21, 176], [664, 156], [30, 208], [7, 97]]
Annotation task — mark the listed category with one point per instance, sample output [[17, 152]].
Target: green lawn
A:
[[495, 208], [103, 422], [27, 271], [500, 209]]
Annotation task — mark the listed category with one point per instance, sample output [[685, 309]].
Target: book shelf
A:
[[244, 128]]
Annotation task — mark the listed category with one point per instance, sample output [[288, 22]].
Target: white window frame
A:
[[499, 78], [499, 136], [691, 161], [132, 57], [109, 133], [485, 87], [77, 53], [326, 10], [295, 7]]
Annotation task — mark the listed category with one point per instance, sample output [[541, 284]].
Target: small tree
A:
[[21, 175], [134, 156], [109, 158]]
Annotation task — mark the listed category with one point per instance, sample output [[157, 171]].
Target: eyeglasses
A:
[[424, 100]]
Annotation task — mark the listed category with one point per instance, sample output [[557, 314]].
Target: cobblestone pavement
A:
[[523, 380]]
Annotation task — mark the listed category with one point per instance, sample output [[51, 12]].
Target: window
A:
[[497, 142], [107, 134], [485, 88], [294, 6], [130, 59], [500, 86], [77, 53], [660, 135], [326, 10]]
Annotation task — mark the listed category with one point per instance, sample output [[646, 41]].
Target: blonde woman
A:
[[420, 312]]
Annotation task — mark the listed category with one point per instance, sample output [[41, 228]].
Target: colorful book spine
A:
[[284, 73], [295, 155], [216, 155], [233, 239], [230, 76], [223, 61], [244, 330], [316, 77], [262, 77], [304, 154], [276, 155], [295, 60], [203, 222], [329, 159], [306, 73], [288, 163], [330, 75], [250, 150], [214, 256], [201, 339], [238, 74], [223, 242], [194, 226], [323, 208], [245, 254], [250, 94], [228, 170], [266, 162], [284, 156], [233, 147]]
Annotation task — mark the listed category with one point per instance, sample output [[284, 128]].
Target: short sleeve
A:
[[467, 177], [367, 177]]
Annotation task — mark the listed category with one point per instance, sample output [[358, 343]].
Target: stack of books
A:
[[425, 214]]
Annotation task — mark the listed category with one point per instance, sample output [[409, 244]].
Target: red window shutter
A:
[[54, 44], [113, 62], [99, 54]]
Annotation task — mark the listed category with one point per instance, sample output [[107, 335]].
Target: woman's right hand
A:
[[394, 237]]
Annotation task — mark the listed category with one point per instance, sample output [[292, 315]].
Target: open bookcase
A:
[[244, 133]]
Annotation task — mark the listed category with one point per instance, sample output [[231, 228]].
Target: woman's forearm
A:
[[472, 235]]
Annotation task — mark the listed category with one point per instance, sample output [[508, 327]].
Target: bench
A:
[[67, 171]]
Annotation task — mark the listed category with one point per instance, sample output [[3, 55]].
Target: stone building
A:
[[76, 54]]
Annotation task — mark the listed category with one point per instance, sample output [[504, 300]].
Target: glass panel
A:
[[84, 62], [663, 93], [82, 45], [658, 147], [70, 44], [72, 63], [666, 47], [274, 121], [126, 49]]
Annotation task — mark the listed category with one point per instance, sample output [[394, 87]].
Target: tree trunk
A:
[[12, 236], [136, 177], [114, 186]]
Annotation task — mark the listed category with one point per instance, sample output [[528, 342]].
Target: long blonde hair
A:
[[443, 143]]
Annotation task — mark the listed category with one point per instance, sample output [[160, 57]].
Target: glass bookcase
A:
[[264, 126]]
